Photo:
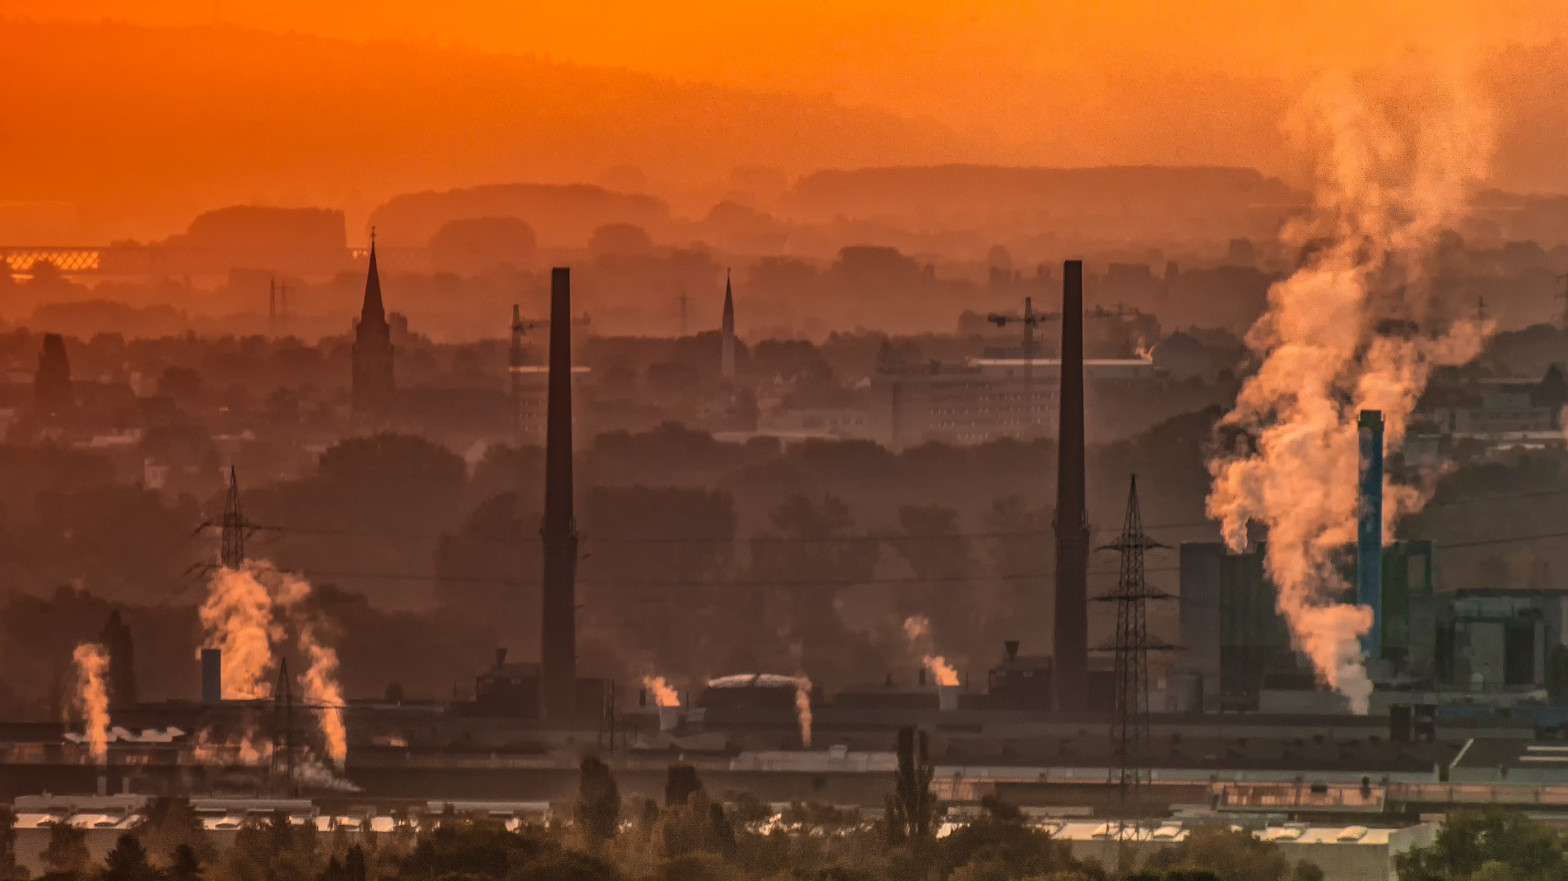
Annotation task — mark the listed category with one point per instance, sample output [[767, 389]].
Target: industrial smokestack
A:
[[1369, 529], [211, 677], [1071, 521], [558, 670]]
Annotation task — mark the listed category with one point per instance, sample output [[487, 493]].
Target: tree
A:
[[911, 808], [128, 861], [185, 866], [1231, 855], [354, 868], [66, 853], [680, 784], [598, 800], [8, 867], [171, 824], [1484, 845]]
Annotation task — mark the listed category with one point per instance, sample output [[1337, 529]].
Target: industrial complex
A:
[[1238, 729]]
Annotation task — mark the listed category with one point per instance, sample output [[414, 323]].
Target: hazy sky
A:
[[1020, 82]]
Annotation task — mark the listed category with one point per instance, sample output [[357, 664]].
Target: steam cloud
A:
[[917, 629], [664, 694], [803, 709], [237, 619], [1355, 327], [92, 696], [243, 616], [321, 675]]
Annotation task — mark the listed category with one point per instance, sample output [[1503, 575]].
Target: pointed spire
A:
[[373, 311], [727, 334]]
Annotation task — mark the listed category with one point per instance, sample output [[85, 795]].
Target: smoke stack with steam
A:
[[1369, 530], [558, 668], [1072, 521]]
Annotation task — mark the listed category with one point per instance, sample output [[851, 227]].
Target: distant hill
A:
[[164, 123], [961, 193], [1147, 204], [562, 215]]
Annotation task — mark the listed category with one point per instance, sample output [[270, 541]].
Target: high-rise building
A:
[[373, 395]]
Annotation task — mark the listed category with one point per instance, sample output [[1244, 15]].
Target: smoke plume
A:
[[237, 619], [664, 694], [243, 616], [917, 629], [1355, 327], [320, 679], [92, 696], [803, 709]]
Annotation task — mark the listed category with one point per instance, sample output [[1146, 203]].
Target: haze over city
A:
[[864, 441]]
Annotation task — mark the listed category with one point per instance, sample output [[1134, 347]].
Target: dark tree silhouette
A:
[[911, 808], [598, 800]]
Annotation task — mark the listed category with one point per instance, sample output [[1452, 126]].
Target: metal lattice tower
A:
[[1130, 738], [232, 554], [283, 733]]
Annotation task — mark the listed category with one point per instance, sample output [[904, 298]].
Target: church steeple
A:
[[373, 394], [373, 311], [727, 334]]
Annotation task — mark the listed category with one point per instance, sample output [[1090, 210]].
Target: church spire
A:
[[373, 311], [727, 334], [372, 392]]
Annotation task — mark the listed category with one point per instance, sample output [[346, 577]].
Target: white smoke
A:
[[803, 709], [92, 697], [664, 694], [244, 616], [237, 619], [1395, 172], [917, 629], [320, 679]]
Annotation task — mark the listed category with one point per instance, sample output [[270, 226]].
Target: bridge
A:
[[138, 259]]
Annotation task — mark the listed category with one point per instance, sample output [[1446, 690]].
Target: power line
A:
[[707, 582], [880, 538]]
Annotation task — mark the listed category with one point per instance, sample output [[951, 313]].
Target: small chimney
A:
[[500, 658], [211, 677], [1010, 651], [920, 677]]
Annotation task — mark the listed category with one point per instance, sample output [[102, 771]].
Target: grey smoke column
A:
[[558, 670], [1071, 524]]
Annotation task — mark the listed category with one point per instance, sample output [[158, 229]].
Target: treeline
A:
[[754, 553], [691, 835]]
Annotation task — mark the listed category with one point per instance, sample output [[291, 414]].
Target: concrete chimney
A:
[[211, 677], [558, 668], [1071, 646], [1369, 530]]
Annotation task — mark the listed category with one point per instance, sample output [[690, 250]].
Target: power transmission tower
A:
[[1130, 738], [283, 731], [233, 551]]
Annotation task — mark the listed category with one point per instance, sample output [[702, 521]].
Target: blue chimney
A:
[[1369, 529]]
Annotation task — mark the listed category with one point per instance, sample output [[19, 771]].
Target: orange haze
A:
[[141, 113]]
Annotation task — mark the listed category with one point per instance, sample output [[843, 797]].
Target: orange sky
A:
[[1181, 82]]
